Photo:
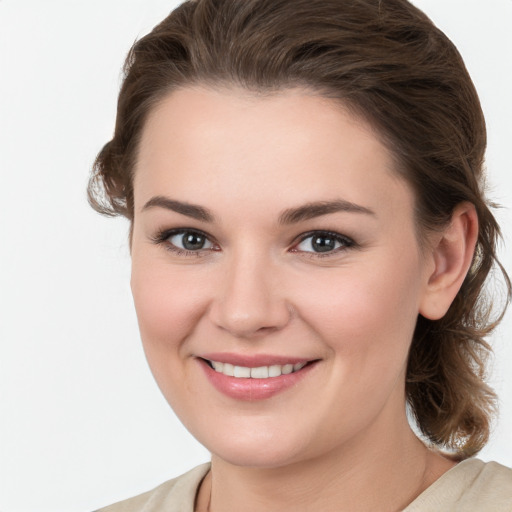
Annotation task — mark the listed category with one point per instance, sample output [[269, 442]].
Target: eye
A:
[[185, 242], [190, 241], [322, 242]]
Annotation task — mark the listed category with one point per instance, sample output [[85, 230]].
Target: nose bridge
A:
[[251, 300]]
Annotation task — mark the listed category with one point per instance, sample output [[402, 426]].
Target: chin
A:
[[260, 451], [264, 457]]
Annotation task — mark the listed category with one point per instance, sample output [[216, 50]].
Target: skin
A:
[[340, 435]]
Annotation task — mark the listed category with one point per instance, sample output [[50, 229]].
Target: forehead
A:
[[279, 149]]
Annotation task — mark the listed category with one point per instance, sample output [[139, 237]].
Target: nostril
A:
[[266, 330]]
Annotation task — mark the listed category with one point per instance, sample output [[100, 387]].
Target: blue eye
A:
[[323, 242]]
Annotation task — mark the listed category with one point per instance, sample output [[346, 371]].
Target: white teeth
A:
[[274, 370], [287, 368], [241, 371], [218, 367], [261, 372], [229, 369]]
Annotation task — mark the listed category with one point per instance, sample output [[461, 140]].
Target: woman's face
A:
[[271, 231]]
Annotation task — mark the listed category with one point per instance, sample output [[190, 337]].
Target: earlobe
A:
[[452, 254]]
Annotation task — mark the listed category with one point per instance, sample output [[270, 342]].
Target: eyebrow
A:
[[288, 216], [317, 209], [190, 210]]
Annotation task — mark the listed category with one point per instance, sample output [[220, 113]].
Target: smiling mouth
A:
[[260, 372], [256, 377]]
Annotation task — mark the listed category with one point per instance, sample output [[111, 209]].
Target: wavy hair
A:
[[387, 62]]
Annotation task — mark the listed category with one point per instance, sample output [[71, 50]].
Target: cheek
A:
[[168, 306], [368, 311], [159, 304], [168, 310]]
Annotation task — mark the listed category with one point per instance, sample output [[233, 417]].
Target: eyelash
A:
[[345, 241], [162, 238]]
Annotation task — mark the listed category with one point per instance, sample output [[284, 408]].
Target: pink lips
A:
[[250, 388]]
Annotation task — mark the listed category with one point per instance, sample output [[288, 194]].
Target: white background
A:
[[82, 423]]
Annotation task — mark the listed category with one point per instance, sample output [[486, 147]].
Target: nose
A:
[[250, 301]]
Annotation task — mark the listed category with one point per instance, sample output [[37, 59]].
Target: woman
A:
[[309, 247]]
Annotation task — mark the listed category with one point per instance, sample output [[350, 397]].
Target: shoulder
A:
[[176, 495], [471, 486]]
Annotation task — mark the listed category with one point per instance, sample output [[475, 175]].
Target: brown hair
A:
[[387, 62]]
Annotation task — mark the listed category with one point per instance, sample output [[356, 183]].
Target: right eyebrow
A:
[[190, 210]]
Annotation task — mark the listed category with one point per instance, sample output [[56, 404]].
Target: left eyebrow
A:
[[317, 209]]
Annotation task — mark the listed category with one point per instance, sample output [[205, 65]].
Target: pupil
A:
[[193, 242], [323, 244]]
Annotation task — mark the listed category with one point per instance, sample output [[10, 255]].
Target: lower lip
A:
[[253, 389]]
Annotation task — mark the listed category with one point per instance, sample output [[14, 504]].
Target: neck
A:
[[365, 476]]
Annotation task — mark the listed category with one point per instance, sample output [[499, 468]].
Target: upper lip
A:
[[253, 360]]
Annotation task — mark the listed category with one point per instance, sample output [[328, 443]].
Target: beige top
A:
[[470, 486]]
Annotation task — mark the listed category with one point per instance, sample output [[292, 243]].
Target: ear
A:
[[451, 254]]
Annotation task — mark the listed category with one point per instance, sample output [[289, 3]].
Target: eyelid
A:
[[162, 238], [347, 243]]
